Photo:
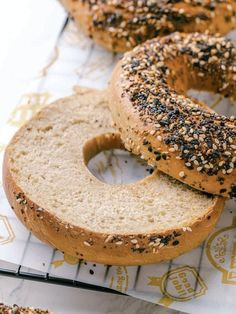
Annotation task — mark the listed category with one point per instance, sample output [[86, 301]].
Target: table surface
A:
[[65, 300]]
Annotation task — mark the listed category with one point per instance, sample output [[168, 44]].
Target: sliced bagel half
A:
[[53, 193]]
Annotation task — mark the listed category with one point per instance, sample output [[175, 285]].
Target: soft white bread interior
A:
[[54, 194]]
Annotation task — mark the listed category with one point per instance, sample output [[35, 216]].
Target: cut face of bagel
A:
[[176, 133], [55, 195], [121, 25]]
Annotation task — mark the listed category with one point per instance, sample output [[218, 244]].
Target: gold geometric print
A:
[[2, 147], [221, 252], [180, 284], [67, 259], [53, 59], [29, 105], [120, 279], [6, 232]]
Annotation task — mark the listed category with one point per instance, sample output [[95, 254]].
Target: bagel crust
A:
[[122, 25], [157, 120], [63, 231]]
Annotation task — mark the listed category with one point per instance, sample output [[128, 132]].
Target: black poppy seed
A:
[[191, 130], [150, 169], [223, 190], [176, 234], [164, 156], [176, 242], [148, 19], [233, 192], [165, 240], [138, 250]]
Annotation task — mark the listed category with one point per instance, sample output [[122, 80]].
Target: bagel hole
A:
[[113, 165], [217, 102]]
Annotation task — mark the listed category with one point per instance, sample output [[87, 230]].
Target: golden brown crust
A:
[[119, 249], [121, 25], [70, 239], [155, 117]]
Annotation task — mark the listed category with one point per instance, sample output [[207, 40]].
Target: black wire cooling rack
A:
[[20, 272]]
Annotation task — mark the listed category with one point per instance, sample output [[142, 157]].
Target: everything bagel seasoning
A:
[[134, 21], [205, 140]]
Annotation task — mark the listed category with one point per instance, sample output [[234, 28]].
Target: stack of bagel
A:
[[177, 45]]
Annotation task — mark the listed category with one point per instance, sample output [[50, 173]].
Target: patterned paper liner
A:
[[193, 282]]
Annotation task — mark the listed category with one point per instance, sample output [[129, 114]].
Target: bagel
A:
[[15, 309], [178, 134], [121, 25], [54, 194]]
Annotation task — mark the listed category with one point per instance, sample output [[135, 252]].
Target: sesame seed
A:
[[87, 243], [119, 242], [151, 243], [109, 238], [181, 174], [200, 74], [200, 138], [226, 55], [196, 162]]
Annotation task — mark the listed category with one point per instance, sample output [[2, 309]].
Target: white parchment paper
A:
[[201, 281]]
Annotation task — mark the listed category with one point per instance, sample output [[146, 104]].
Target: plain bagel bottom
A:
[[55, 232]]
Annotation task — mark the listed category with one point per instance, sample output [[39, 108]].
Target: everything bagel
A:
[[121, 25], [170, 130], [55, 195]]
